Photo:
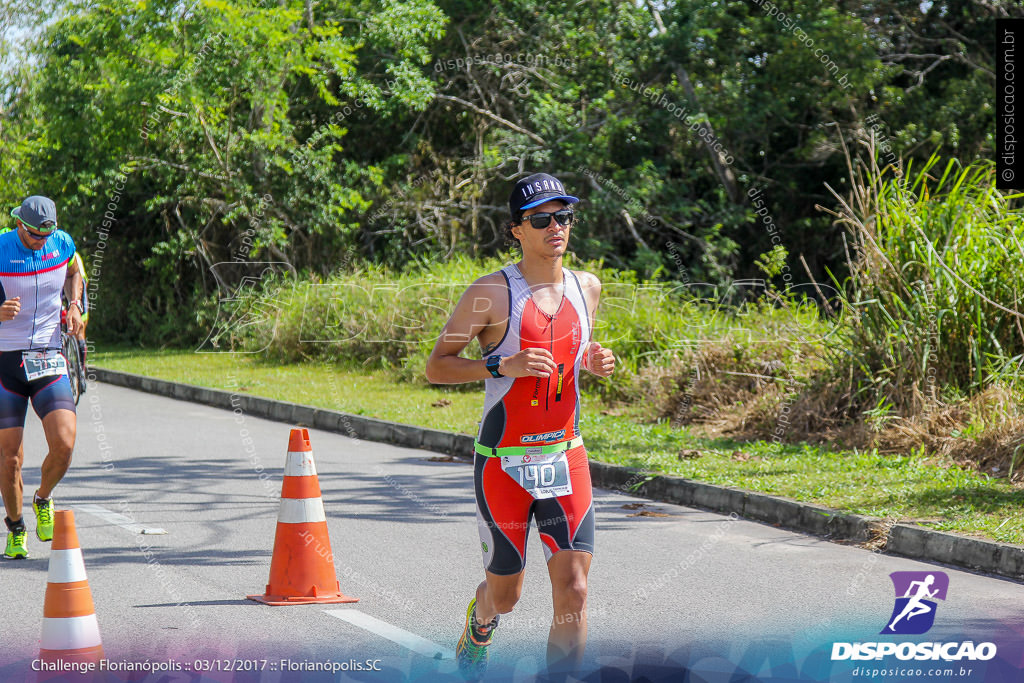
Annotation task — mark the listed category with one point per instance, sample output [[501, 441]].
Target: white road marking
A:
[[407, 640], [120, 520]]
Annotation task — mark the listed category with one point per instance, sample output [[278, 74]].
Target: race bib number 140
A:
[[543, 476]]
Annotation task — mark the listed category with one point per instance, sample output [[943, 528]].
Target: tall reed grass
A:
[[934, 294], [374, 317]]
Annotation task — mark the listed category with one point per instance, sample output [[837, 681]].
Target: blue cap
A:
[[534, 190]]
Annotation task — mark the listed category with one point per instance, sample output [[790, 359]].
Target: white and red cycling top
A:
[[38, 278], [534, 411]]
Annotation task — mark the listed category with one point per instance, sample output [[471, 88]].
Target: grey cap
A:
[[35, 211]]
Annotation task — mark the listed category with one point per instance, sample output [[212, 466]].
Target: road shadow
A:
[[207, 557], [444, 492], [982, 499], [206, 603], [157, 478]]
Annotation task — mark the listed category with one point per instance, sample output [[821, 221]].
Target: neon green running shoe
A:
[[44, 519], [471, 652], [17, 548]]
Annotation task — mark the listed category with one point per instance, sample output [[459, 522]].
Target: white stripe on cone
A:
[[66, 566], [299, 510], [299, 464], [70, 633]]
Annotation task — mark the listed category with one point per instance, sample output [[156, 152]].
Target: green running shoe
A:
[[44, 519], [471, 652], [16, 545]]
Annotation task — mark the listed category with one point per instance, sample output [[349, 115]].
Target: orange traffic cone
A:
[[302, 567], [70, 630]]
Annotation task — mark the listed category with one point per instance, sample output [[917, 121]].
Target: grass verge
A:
[[913, 488]]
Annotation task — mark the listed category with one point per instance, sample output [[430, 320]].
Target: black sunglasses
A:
[[543, 220], [33, 234]]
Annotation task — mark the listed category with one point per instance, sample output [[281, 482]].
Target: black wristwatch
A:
[[492, 365]]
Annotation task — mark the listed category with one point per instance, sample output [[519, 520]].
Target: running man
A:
[[36, 263], [533, 321], [914, 606]]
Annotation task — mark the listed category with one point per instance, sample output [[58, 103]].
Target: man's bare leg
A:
[[568, 637], [11, 458], [497, 594], [59, 426]]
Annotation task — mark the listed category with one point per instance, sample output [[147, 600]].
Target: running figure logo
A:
[[914, 612]]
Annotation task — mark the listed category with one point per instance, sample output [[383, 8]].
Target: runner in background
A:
[[36, 263]]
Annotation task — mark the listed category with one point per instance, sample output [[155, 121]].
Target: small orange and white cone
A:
[[302, 566], [70, 630]]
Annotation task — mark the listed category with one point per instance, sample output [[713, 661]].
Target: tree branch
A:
[[181, 167], [483, 112], [722, 170]]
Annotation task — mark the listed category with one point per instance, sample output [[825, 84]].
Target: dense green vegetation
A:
[[792, 206], [913, 350], [177, 135], [383, 318]]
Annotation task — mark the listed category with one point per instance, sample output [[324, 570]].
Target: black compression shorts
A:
[[47, 394]]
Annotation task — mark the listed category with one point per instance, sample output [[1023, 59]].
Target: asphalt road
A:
[[670, 588]]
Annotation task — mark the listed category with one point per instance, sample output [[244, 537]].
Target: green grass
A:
[[907, 488]]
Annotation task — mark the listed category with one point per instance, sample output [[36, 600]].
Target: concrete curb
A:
[[906, 540]]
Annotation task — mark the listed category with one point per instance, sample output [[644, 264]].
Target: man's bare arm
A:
[[476, 311], [73, 283], [472, 315], [73, 288]]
